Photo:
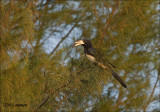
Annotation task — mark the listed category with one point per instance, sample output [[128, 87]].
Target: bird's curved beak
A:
[[79, 42]]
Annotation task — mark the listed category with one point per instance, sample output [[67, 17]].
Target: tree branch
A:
[[149, 100], [63, 38], [63, 86], [53, 31], [108, 22], [43, 102]]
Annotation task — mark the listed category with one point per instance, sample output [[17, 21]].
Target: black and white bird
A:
[[94, 57]]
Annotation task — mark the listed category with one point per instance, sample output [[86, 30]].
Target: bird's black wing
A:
[[92, 51]]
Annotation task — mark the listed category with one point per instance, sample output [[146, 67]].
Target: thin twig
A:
[[43, 102]]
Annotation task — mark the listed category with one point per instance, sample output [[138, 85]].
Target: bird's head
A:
[[85, 43]]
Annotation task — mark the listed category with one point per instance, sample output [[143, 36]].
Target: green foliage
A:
[[62, 79]]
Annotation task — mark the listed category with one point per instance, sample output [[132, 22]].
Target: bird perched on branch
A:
[[94, 57]]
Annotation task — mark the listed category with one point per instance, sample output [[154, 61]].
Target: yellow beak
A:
[[79, 42]]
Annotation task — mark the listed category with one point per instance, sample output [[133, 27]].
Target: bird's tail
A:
[[115, 75], [118, 78]]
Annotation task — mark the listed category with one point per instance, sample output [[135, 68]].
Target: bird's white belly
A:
[[91, 58]]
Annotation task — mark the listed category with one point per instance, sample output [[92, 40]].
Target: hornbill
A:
[[93, 56]]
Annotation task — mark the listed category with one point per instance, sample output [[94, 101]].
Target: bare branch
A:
[[63, 38], [53, 31]]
